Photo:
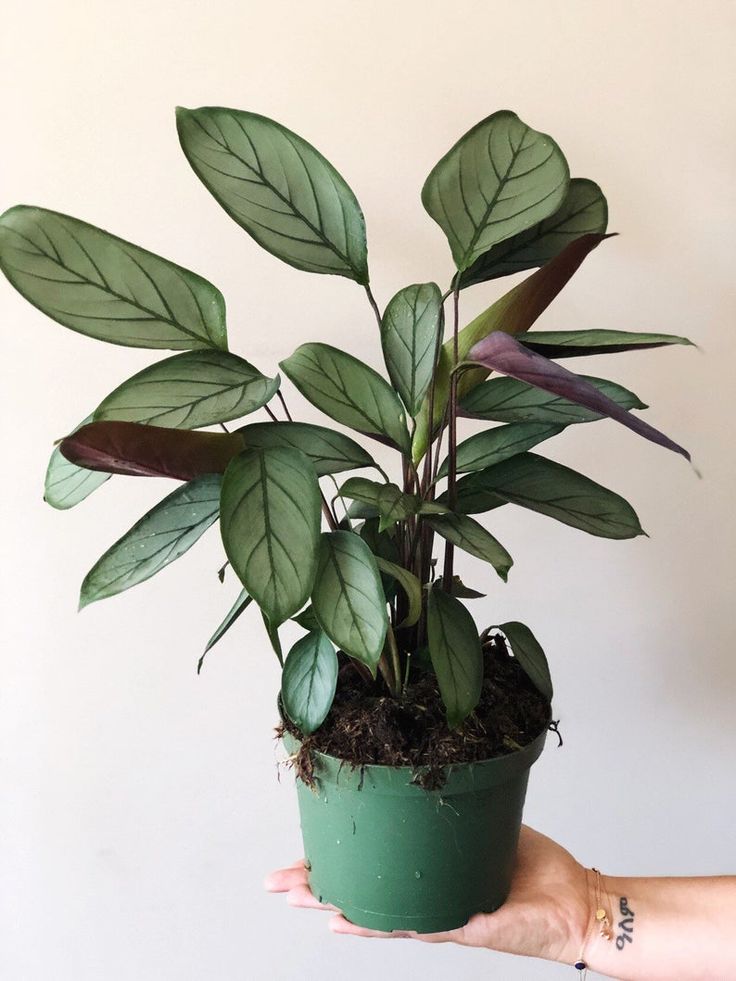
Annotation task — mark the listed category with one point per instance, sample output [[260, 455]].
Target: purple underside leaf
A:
[[139, 450], [503, 353]]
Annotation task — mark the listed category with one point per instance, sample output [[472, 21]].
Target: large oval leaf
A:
[[67, 484], [528, 652], [501, 352], [270, 518], [348, 598], [150, 451], [498, 179], [583, 343], [329, 451], [309, 681], [583, 211], [278, 188], [473, 538], [102, 286], [190, 390], [457, 658], [497, 444], [542, 485], [409, 334], [349, 392], [160, 537], [509, 400]]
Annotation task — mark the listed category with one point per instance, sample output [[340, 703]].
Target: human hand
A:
[[545, 914]]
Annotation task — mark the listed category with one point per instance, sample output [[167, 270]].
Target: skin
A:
[[548, 894], [682, 927]]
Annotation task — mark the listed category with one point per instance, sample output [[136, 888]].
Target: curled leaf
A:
[[503, 353]]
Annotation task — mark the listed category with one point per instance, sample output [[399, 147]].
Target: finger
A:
[[285, 879], [338, 924], [303, 897]]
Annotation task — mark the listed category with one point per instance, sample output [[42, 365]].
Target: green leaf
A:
[[515, 312], [460, 590], [583, 343], [307, 619], [509, 400], [189, 391], [270, 524], [329, 451], [272, 630], [383, 546], [348, 597], [541, 485], [411, 586], [241, 603], [349, 392], [472, 537], [499, 179], [528, 652], [583, 211], [278, 188], [359, 511], [388, 499], [500, 443], [457, 658], [381, 543], [309, 681], [162, 535], [67, 484], [104, 287], [410, 331]]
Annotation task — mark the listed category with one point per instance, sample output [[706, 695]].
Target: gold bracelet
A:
[[600, 917]]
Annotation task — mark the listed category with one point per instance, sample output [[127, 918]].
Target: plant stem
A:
[[385, 666], [338, 497], [327, 511], [282, 400], [440, 434], [374, 305], [452, 437], [428, 455], [406, 673], [395, 661]]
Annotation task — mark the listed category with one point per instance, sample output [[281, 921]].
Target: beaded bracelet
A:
[[600, 917]]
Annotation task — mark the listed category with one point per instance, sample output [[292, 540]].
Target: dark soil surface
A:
[[367, 726]]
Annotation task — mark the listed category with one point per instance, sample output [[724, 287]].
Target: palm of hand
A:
[[544, 915]]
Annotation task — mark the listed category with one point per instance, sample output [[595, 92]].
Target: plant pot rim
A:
[[459, 777]]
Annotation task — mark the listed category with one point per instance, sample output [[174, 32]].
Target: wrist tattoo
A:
[[625, 924]]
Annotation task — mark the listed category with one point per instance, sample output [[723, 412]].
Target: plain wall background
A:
[[140, 807]]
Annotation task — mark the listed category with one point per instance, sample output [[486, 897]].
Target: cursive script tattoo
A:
[[626, 924]]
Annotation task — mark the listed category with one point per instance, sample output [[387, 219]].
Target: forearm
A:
[[665, 928]]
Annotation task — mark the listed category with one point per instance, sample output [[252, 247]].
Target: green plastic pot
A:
[[393, 856]]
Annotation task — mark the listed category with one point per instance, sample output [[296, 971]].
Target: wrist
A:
[[573, 928], [593, 936]]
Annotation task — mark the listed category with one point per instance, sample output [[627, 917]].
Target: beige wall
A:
[[139, 805]]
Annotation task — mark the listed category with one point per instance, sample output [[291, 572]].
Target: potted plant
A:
[[412, 730]]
